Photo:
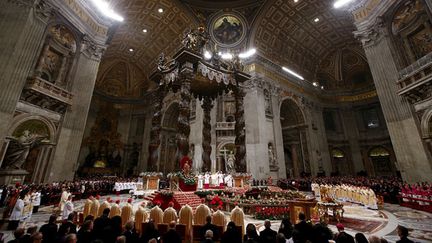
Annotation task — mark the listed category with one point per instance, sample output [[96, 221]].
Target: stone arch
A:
[[426, 124], [38, 158], [380, 158], [168, 148], [20, 119], [340, 161], [294, 135]]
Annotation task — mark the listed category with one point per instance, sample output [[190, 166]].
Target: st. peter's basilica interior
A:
[[269, 92]]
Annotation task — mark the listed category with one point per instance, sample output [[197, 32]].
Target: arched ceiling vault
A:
[[164, 30], [286, 33], [283, 31]]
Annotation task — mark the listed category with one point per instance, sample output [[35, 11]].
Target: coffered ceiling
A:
[[282, 31]]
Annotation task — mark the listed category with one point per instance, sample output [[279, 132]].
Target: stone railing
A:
[[416, 80], [49, 89], [225, 125]]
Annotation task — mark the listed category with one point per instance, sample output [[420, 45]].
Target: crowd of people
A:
[[111, 230], [390, 188]]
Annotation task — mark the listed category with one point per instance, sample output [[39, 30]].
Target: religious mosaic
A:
[[228, 30]]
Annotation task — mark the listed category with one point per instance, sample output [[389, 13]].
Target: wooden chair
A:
[[162, 228], [196, 233], [218, 235], [181, 229]]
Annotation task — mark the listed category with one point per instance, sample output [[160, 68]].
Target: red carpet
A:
[[365, 226]]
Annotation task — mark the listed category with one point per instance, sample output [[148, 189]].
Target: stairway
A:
[[151, 196], [182, 198]]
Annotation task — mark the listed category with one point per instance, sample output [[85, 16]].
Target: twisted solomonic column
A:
[[156, 129], [240, 140], [183, 119], [206, 131]]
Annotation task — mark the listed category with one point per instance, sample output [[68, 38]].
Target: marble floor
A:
[[381, 223]]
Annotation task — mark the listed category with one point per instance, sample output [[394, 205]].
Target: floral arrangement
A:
[[216, 202], [151, 174], [272, 213], [205, 193]]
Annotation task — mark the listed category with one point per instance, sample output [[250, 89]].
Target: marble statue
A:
[[19, 148], [230, 163]]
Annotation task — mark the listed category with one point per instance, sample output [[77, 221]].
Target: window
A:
[[370, 118], [329, 121]]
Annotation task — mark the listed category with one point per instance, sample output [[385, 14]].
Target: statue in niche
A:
[[230, 163], [19, 148], [272, 158]]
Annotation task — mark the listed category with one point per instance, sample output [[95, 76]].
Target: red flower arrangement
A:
[[216, 202], [271, 212]]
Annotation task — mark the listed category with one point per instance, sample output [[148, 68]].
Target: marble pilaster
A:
[[64, 164], [24, 25], [413, 161]]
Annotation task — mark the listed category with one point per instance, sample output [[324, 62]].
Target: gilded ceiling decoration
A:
[[120, 78], [282, 31], [345, 69], [287, 34], [164, 30]]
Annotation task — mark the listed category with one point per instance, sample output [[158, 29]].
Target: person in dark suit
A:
[[209, 226], [251, 234], [342, 236], [208, 237], [69, 223], [171, 236], [101, 223], [85, 234], [267, 235], [130, 234], [231, 234], [150, 232], [49, 230], [304, 228], [403, 235]]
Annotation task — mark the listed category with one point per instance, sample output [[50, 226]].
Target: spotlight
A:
[[248, 53], [292, 73], [131, 50], [207, 55], [341, 3], [160, 10], [106, 10]]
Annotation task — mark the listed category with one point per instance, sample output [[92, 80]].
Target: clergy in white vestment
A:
[[220, 178], [206, 180], [68, 208], [214, 180], [200, 181], [63, 198], [229, 180], [16, 215]]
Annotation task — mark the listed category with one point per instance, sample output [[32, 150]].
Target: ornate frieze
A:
[[46, 95], [91, 49], [371, 35]]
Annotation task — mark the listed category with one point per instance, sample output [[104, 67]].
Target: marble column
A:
[[413, 161], [352, 135], [240, 140], [23, 24], [156, 125], [206, 134], [142, 164], [183, 119], [278, 137], [83, 78], [294, 158]]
